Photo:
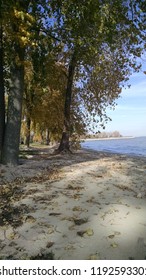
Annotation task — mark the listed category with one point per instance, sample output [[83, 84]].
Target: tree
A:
[[103, 86], [88, 39], [2, 95], [49, 99], [16, 30], [85, 27], [24, 34], [22, 30]]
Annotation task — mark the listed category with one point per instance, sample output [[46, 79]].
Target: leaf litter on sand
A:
[[74, 187], [75, 220]]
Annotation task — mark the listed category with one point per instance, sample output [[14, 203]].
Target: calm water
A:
[[133, 146]]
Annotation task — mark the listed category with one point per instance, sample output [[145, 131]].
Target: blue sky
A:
[[129, 116]]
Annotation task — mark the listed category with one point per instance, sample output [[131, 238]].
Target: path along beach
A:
[[88, 205]]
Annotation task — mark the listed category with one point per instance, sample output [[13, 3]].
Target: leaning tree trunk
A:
[[10, 151], [2, 96], [64, 144]]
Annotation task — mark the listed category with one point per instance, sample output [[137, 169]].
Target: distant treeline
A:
[[114, 134]]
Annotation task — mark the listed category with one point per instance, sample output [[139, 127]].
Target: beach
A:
[[83, 206]]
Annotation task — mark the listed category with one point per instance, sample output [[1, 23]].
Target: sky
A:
[[129, 116]]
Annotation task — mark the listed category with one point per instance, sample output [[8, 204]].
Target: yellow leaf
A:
[[114, 245], [89, 232], [94, 257]]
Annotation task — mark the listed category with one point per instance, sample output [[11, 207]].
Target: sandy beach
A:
[[84, 206]]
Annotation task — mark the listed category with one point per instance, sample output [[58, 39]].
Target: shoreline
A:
[[135, 147], [88, 205], [109, 138]]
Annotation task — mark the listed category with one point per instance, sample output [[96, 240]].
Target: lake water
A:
[[132, 146]]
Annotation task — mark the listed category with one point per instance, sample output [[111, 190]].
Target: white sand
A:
[[88, 205]]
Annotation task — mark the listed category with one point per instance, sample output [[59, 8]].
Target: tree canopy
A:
[[63, 63]]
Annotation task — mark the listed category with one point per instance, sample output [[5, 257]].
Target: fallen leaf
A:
[[30, 219], [111, 236], [79, 222], [77, 208], [114, 245], [54, 214], [94, 257], [13, 235], [81, 233], [49, 244], [89, 232], [50, 230]]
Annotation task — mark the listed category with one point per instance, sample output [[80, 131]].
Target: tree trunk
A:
[[28, 123], [10, 151], [64, 144], [47, 137], [2, 93], [42, 135]]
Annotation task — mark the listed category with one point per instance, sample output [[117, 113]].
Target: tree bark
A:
[[64, 143], [28, 92], [47, 137], [2, 93], [28, 124], [10, 151]]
